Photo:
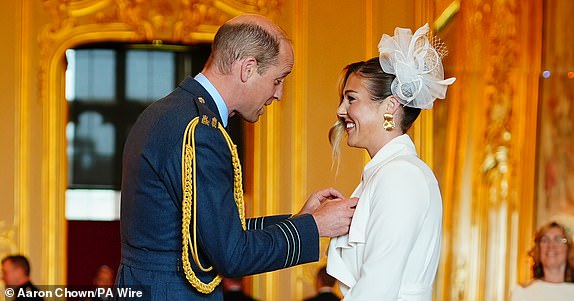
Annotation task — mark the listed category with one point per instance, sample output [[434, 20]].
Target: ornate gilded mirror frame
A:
[[88, 21]]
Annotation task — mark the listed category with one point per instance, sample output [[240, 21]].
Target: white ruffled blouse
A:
[[393, 246]]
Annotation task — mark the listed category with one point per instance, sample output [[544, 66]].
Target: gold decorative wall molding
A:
[[494, 207], [302, 275], [555, 191], [8, 243], [73, 23], [180, 21], [491, 145]]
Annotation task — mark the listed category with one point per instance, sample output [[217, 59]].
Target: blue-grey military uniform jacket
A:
[[151, 207]]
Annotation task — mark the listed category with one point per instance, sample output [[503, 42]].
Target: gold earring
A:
[[389, 123]]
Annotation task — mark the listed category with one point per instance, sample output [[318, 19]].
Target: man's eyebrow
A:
[[284, 74]]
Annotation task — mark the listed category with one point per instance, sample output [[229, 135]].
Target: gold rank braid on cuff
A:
[[188, 174]]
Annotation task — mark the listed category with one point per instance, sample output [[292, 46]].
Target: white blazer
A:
[[393, 246]]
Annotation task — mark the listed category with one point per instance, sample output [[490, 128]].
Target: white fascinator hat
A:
[[417, 64]]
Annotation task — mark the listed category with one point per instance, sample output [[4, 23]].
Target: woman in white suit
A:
[[392, 249]]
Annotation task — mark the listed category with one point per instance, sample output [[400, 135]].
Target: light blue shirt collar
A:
[[221, 106]]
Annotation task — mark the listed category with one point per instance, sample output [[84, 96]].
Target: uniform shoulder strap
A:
[[206, 116]]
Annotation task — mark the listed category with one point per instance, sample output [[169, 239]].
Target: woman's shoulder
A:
[[527, 284], [521, 291], [539, 287]]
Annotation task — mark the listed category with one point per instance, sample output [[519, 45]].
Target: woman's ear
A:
[[392, 104], [248, 68]]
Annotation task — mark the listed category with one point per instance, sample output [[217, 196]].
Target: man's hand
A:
[[333, 217], [318, 197]]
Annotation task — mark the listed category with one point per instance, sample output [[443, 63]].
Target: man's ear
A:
[[248, 68]]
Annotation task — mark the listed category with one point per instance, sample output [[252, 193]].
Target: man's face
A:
[[12, 275], [263, 89]]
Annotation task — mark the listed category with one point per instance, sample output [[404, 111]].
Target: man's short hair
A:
[[234, 41], [19, 261]]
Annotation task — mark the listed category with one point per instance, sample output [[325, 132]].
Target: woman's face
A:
[[553, 249], [363, 116]]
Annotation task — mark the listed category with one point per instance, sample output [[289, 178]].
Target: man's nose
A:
[[278, 92]]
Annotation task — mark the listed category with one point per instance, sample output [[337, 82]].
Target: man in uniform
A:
[[182, 217]]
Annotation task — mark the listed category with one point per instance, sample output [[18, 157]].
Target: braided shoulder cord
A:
[[237, 177], [188, 174]]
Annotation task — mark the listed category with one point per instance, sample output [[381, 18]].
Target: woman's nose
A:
[[341, 110]]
